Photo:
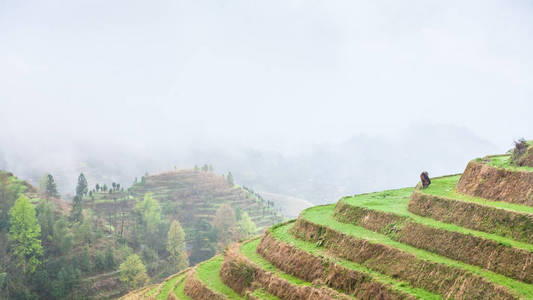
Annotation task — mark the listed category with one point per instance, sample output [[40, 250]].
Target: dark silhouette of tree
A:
[[51, 188], [76, 214], [230, 179], [81, 188]]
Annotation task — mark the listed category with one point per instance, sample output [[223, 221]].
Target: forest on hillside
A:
[[110, 239]]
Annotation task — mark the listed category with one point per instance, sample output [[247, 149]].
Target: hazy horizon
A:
[[153, 85]]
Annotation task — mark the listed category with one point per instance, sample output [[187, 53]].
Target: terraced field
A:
[[192, 197], [411, 243]]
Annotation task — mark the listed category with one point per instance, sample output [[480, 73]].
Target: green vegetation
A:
[[390, 211], [208, 274], [248, 249], [262, 294], [225, 224], [446, 187], [51, 187], [133, 272], [168, 286], [504, 162], [179, 291], [24, 232], [282, 233], [323, 215], [176, 247], [396, 202]]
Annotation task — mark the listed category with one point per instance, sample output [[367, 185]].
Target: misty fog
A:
[[310, 99]]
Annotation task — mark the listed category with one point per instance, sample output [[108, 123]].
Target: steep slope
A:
[[411, 243]]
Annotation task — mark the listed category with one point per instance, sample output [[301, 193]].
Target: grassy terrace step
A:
[[442, 202], [169, 284], [500, 184], [281, 233], [276, 281], [504, 162], [152, 291], [262, 294], [208, 273], [249, 251], [323, 216], [179, 291], [386, 212]]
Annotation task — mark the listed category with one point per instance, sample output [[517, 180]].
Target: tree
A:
[[225, 225], [246, 226], [51, 188], [24, 233], [46, 216], [150, 212], [43, 181], [97, 187], [133, 272], [210, 168], [230, 179], [99, 261], [81, 188], [196, 169], [76, 214], [85, 260], [83, 230], [205, 168], [104, 188], [176, 247], [62, 238], [110, 258], [114, 185]]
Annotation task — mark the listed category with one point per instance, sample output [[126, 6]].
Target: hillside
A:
[[68, 251], [81, 254], [190, 196], [465, 236]]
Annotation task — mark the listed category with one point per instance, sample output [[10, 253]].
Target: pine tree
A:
[[51, 188], [176, 247], [81, 188], [230, 179], [24, 233], [76, 214]]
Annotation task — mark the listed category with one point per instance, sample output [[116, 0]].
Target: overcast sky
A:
[[276, 74]]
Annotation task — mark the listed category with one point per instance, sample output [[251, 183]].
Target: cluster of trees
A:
[[47, 252], [231, 225], [269, 204], [205, 168], [115, 187]]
